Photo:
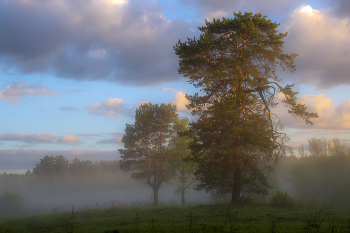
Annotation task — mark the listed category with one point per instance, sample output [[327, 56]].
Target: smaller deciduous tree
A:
[[184, 168], [147, 149], [11, 203]]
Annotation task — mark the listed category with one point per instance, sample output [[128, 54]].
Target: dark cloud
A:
[[322, 42], [341, 7], [26, 159], [91, 40], [220, 8], [133, 43]]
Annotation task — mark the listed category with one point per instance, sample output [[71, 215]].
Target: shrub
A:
[[11, 203], [245, 200], [282, 200]]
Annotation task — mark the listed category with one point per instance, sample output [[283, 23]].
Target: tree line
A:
[[57, 167]]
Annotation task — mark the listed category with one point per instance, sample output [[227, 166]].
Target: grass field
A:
[[197, 218]]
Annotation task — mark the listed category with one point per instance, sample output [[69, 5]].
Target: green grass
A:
[[199, 218]]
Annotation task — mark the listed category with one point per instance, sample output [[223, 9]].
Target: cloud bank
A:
[[129, 43], [33, 139], [132, 42], [15, 91]]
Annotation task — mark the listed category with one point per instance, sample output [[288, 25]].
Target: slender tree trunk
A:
[[155, 196], [236, 189], [183, 197]]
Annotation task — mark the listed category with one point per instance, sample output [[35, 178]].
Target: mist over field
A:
[[116, 189], [320, 178]]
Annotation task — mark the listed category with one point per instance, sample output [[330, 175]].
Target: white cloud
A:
[[16, 90], [180, 101], [308, 9], [118, 2], [68, 139], [330, 116], [109, 107]]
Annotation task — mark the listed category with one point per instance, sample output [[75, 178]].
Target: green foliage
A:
[[282, 200], [234, 64], [11, 203], [81, 169], [51, 167]]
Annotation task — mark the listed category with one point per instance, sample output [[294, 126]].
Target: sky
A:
[[73, 72]]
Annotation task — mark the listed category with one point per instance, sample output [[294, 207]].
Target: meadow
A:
[[190, 218]]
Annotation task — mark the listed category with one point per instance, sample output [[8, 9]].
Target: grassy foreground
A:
[[199, 218]]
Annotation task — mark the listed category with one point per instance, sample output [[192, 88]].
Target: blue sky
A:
[[73, 72]]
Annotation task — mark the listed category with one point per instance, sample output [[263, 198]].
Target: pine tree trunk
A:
[[236, 189], [183, 197], [155, 196]]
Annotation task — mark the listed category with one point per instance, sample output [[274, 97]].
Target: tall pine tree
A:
[[233, 63]]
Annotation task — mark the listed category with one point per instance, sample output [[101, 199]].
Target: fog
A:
[[54, 195], [318, 175]]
